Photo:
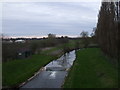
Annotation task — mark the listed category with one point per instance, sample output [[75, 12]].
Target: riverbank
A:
[[91, 70], [17, 71]]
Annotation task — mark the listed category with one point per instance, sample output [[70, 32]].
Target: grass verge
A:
[[17, 71], [91, 70]]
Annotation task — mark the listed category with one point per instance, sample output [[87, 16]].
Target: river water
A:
[[54, 73]]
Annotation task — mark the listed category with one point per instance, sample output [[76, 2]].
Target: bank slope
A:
[[91, 70], [17, 71]]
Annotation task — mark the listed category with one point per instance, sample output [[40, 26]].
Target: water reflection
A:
[[64, 62], [54, 73]]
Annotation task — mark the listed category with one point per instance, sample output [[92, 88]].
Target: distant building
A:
[[20, 41]]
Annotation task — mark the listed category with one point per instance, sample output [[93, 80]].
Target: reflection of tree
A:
[[65, 60]]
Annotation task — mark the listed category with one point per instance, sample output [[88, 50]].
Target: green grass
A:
[[91, 70], [17, 71]]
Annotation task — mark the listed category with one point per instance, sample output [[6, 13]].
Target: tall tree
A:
[[107, 28]]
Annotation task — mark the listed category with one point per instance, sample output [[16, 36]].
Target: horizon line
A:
[[44, 36]]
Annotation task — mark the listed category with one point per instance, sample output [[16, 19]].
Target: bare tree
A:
[[51, 35], [85, 41]]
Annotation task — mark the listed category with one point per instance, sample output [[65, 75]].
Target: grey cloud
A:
[[43, 18]]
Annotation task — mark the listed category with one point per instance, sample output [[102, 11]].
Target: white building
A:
[[20, 41]]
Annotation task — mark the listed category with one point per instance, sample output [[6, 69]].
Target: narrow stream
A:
[[53, 74]]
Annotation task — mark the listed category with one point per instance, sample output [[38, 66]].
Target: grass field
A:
[[17, 71], [91, 70]]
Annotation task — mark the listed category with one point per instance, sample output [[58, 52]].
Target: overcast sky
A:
[[39, 19]]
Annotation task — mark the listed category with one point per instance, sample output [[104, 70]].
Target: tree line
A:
[[10, 51], [107, 31]]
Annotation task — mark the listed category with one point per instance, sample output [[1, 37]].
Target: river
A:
[[54, 73]]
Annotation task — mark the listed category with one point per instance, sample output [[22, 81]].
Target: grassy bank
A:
[[91, 70], [17, 71]]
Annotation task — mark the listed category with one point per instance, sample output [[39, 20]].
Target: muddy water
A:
[[53, 74]]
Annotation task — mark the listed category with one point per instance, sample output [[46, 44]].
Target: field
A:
[[91, 70]]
